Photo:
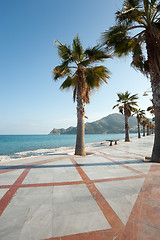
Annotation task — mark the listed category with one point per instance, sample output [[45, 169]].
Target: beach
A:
[[16, 147], [109, 194], [43, 153]]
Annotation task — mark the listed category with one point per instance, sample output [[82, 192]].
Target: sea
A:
[[18, 146]]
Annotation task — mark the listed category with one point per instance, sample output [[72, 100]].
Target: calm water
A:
[[10, 144]]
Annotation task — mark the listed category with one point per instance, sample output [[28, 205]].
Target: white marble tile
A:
[[61, 171], [9, 178], [2, 192], [38, 213]]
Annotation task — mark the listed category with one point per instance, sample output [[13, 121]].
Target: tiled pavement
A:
[[110, 194]]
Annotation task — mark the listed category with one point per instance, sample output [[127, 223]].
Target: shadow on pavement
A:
[[140, 161]]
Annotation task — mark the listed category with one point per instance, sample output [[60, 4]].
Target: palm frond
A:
[[121, 109], [77, 49], [86, 63], [96, 53], [134, 97], [64, 51], [146, 5], [69, 82], [117, 105], [123, 48], [130, 12], [139, 61], [74, 94], [151, 108], [133, 109], [61, 70], [114, 34], [131, 4], [118, 40], [153, 2], [95, 76]]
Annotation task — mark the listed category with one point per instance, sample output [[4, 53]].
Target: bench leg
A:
[[115, 142], [110, 143]]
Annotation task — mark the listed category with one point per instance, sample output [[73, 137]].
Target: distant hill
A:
[[113, 123]]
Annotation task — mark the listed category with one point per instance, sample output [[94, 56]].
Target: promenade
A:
[[110, 194]]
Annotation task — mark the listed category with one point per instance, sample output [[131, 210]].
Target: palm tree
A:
[[153, 127], [144, 123], [140, 114], [82, 76], [126, 105], [138, 24], [148, 126]]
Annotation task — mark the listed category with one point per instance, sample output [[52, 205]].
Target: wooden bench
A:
[[113, 140]]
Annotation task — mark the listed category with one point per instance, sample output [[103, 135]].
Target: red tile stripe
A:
[[95, 235], [5, 200], [122, 156], [137, 154], [122, 165], [146, 210], [51, 184], [73, 182], [5, 186], [106, 209], [33, 163], [127, 152], [118, 179]]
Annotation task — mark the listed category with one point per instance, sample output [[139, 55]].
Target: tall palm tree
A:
[[140, 114], [82, 75], [144, 123], [153, 127], [126, 105], [148, 126], [138, 24]]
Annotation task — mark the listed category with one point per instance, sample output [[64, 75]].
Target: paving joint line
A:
[[106, 209], [3, 170], [5, 200], [135, 220], [122, 165]]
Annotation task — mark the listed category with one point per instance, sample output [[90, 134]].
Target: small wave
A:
[[35, 153]]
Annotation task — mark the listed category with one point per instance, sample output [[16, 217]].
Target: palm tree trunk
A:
[[154, 69], [127, 129], [156, 148], [144, 131], [139, 131], [156, 103], [80, 139]]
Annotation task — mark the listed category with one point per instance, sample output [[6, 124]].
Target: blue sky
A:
[[30, 101]]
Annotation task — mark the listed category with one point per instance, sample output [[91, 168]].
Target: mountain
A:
[[113, 123]]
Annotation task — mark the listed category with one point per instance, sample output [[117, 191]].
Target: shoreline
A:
[[27, 155]]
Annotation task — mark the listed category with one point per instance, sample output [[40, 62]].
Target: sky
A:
[[30, 100]]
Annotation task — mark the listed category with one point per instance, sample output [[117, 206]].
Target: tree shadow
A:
[[11, 167]]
